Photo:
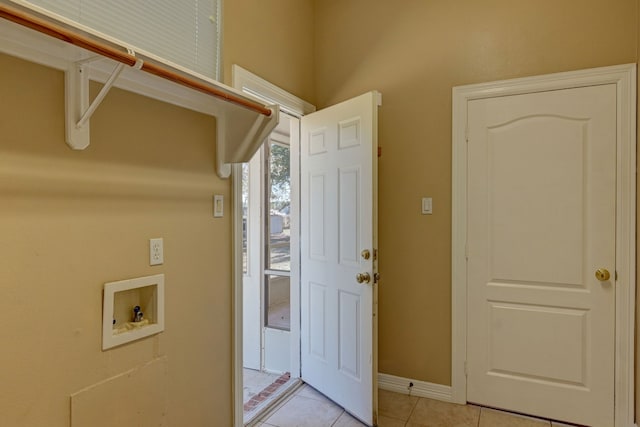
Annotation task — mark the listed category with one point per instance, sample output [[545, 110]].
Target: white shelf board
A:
[[240, 131]]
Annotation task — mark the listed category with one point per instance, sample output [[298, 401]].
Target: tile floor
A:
[[308, 408]]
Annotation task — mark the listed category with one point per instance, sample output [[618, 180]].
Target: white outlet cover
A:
[[156, 251]]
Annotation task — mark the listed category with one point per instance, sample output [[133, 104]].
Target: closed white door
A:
[[338, 159], [541, 224]]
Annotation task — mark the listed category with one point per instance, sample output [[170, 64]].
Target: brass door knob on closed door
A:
[[602, 274], [363, 278]]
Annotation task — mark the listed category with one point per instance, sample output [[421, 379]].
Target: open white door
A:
[[338, 162]]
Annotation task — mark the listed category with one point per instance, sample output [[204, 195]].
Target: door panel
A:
[[542, 188], [348, 216], [338, 172], [316, 231], [513, 354], [317, 327], [349, 326], [535, 170]]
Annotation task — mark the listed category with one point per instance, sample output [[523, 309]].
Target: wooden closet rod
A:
[[105, 50]]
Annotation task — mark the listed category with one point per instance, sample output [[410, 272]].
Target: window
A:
[[279, 202], [278, 235], [183, 33], [278, 302]]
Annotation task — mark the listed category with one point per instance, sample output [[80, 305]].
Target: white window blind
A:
[[177, 32]]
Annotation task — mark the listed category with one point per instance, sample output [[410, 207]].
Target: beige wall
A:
[[71, 221], [414, 52], [278, 49], [637, 382]]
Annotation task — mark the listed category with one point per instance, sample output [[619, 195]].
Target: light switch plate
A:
[[218, 206], [427, 206]]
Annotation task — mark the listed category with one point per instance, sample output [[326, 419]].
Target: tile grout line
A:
[[336, 420], [412, 410], [275, 408]]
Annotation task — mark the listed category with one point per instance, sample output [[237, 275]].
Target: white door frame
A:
[[265, 91], [624, 77]]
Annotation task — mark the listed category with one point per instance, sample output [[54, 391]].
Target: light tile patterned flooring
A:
[[308, 408]]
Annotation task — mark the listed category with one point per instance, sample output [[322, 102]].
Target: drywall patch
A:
[[137, 397]]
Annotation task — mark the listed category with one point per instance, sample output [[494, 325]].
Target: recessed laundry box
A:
[[132, 309]]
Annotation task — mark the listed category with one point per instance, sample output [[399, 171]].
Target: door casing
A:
[[248, 82], [624, 77]]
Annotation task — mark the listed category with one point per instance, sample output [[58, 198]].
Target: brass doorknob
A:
[[363, 278], [602, 274], [365, 254]]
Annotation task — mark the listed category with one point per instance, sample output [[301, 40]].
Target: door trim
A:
[[624, 77], [248, 82]]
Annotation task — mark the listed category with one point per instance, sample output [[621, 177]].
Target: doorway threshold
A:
[[259, 401]]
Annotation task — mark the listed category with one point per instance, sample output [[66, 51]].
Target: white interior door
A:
[[541, 223], [338, 160]]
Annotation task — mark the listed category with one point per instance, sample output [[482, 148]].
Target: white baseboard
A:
[[420, 388]]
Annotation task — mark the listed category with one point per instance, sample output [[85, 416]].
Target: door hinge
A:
[[375, 254]]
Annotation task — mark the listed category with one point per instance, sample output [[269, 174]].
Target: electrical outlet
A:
[[156, 251]]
